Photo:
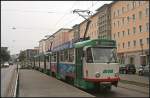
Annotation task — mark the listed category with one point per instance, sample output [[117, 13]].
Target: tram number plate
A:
[[108, 71]]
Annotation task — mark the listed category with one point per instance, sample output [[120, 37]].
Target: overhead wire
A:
[[74, 19], [65, 14], [78, 17]]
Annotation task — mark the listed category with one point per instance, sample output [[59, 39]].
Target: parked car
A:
[[140, 70], [6, 64], [128, 68], [10, 63], [122, 68], [144, 70]]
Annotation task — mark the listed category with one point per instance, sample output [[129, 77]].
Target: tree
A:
[[5, 56], [22, 56]]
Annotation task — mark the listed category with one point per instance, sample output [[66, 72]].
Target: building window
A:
[[118, 45], [140, 28], [140, 14], [147, 27], [139, 3], [123, 33], [118, 12], [123, 45], [134, 42], [147, 40], [118, 23], [114, 36], [133, 4], [128, 31], [134, 30], [128, 43], [122, 20], [122, 9], [114, 14], [147, 12], [141, 41], [128, 7], [133, 17], [128, 18], [118, 34]]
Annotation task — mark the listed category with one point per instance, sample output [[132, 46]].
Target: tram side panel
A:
[[48, 64], [53, 66]]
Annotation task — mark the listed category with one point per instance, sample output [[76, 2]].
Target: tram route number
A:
[[108, 71]]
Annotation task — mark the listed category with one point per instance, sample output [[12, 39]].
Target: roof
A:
[[60, 30], [94, 42], [105, 5], [42, 40]]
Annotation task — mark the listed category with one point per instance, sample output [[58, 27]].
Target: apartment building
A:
[[75, 33], [37, 48], [30, 53], [42, 46], [92, 31], [104, 21], [130, 29], [60, 37]]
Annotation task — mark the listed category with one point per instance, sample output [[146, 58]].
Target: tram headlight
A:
[[97, 75], [116, 74]]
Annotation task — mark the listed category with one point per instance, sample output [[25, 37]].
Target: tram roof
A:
[[94, 42]]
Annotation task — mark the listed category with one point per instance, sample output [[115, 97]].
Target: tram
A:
[[88, 64]]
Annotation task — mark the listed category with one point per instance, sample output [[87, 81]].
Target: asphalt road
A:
[[120, 92], [36, 84], [6, 79]]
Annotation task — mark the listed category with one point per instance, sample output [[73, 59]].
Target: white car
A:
[[6, 64]]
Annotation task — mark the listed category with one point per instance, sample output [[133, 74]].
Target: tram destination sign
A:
[[107, 43]]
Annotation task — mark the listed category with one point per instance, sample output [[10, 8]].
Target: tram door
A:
[[79, 64], [45, 57]]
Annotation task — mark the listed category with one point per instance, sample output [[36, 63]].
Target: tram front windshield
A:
[[101, 55]]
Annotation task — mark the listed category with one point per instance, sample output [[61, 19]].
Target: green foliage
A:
[[5, 56], [22, 56]]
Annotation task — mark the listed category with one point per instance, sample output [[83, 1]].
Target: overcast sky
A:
[[24, 23]]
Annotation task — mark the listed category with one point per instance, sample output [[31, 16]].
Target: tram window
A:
[[53, 59], [71, 55], [89, 56], [66, 55], [42, 58], [61, 55], [47, 58]]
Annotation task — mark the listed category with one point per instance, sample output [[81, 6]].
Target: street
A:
[[120, 92], [7, 79]]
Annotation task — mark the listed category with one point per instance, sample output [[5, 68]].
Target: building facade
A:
[[92, 31], [30, 53], [130, 29], [42, 46], [60, 37], [75, 33], [104, 21]]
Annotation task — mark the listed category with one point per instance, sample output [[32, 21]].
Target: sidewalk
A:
[[135, 79], [36, 84]]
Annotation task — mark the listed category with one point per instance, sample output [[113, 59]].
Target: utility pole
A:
[[89, 13]]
